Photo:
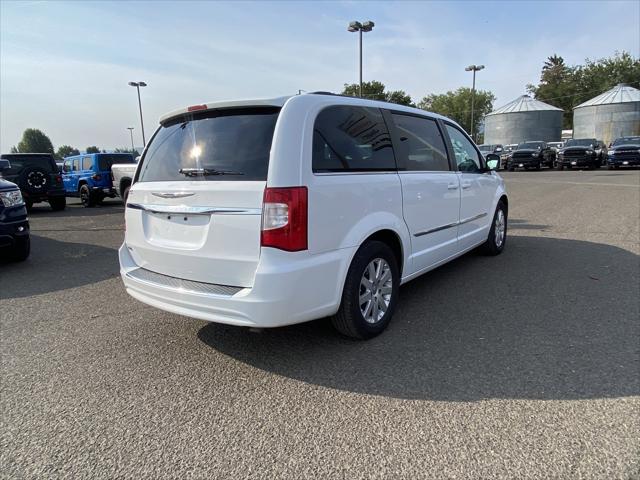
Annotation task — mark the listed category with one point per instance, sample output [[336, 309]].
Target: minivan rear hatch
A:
[[195, 209]]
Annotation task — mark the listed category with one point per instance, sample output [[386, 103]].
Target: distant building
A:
[[613, 114], [523, 119]]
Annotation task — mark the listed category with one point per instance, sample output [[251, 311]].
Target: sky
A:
[[64, 66]]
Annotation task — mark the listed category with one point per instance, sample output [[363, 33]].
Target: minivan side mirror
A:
[[493, 161], [4, 164]]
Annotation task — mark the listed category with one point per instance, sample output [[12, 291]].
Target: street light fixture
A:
[[131, 132], [361, 27], [474, 69], [138, 85]]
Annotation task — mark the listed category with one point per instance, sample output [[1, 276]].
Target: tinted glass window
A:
[[86, 163], [467, 158], [421, 144], [627, 141], [213, 145], [19, 162], [105, 161], [581, 142], [76, 164], [530, 145], [349, 138]]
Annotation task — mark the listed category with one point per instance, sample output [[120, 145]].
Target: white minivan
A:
[[264, 213]]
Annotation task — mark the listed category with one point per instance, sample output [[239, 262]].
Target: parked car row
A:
[[574, 153], [86, 176]]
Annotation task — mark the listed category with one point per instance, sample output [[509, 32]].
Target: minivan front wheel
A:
[[370, 292], [497, 233]]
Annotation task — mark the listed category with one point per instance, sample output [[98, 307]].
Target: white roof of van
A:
[[280, 101]]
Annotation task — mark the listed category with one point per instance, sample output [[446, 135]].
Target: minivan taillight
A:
[[284, 218]]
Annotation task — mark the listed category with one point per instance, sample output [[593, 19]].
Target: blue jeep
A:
[[88, 176]]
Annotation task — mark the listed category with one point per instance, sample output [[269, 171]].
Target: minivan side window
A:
[[467, 157], [351, 139], [421, 144], [86, 163]]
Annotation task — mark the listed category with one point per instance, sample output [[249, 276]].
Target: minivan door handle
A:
[[466, 185], [452, 186]]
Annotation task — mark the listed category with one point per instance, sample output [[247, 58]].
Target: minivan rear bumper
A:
[[288, 288]]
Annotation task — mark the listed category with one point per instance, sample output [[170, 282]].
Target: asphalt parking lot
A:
[[524, 365]]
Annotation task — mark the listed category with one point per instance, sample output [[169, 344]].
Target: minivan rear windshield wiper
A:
[[201, 172]]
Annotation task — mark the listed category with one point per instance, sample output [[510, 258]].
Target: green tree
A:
[[92, 149], [134, 152], [566, 86], [66, 151], [33, 141], [457, 106], [375, 90]]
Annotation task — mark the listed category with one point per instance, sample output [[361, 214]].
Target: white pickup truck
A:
[[122, 176]]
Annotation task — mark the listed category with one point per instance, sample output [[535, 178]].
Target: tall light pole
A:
[[138, 85], [474, 69], [361, 27], [131, 132]]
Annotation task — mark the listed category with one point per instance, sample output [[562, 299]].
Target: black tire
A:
[[58, 203], [87, 198], [491, 247], [350, 320], [20, 251], [560, 167], [512, 169], [538, 166], [28, 204], [125, 194]]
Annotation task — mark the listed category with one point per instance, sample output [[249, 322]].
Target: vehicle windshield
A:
[[212, 145], [627, 141], [106, 160], [529, 145], [580, 142], [486, 148], [19, 162]]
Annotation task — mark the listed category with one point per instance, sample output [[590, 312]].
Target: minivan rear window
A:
[[231, 144], [351, 139]]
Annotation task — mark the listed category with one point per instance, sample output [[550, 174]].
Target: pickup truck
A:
[[122, 175]]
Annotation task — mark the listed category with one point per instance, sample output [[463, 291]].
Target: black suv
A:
[[581, 152], [531, 155], [38, 177], [14, 226]]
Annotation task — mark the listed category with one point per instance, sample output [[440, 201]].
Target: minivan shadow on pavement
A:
[[549, 319], [55, 265]]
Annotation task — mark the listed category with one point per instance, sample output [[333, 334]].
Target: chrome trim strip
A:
[[450, 225], [189, 210], [471, 219], [437, 229], [172, 194], [179, 284]]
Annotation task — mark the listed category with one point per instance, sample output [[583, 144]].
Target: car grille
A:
[[522, 155], [627, 153], [575, 153], [166, 281]]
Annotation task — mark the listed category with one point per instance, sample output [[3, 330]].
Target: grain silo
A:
[[613, 114], [524, 119]]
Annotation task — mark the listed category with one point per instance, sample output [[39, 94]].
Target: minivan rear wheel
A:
[[370, 292]]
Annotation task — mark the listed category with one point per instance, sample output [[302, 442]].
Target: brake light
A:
[[284, 218], [58, 178], [96, 176], [194, 108]]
